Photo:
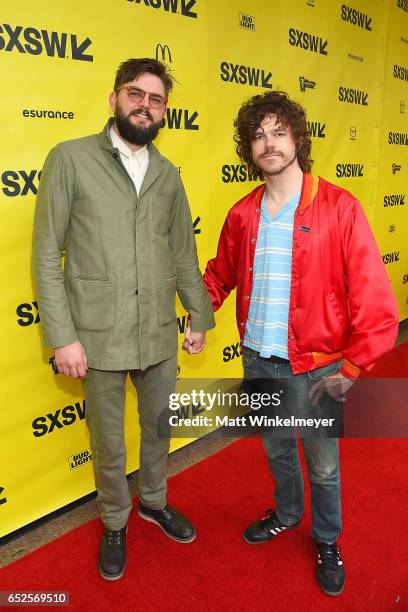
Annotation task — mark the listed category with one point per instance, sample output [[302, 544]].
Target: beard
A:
[[136, 134], [267, 171]]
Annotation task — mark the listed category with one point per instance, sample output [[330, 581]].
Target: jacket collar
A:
[[156, 160], [310, 186]]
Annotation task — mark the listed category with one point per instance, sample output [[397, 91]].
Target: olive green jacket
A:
[[87, 205]]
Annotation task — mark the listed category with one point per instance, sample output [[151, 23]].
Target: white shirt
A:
[[135, 162]]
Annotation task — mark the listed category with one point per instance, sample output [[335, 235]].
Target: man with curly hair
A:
[[314, 306]]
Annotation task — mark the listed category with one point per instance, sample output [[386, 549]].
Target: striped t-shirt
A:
[[266, 329]]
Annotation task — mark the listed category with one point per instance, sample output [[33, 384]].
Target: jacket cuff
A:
[[61, 337], [349, 370], [202, 324]]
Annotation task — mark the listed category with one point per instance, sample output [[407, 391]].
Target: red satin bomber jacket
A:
[[341, 302]]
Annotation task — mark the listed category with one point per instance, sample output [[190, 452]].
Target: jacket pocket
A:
[[92, 303], [166, 303], [161, 213]]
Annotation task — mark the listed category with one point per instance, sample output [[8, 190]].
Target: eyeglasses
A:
[[138, 95]]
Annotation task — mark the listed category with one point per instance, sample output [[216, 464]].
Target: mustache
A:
[[271, 152], [135, 113]]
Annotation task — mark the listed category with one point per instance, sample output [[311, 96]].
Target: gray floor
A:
[[178, 461]]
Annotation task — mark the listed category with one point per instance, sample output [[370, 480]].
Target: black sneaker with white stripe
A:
[[265, 529], [330, 568]]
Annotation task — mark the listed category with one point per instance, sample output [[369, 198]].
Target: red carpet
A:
[[219, 571]]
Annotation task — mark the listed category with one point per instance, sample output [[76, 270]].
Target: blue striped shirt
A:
[[267, 325]]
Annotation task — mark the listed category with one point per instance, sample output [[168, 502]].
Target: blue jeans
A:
[[321, 452]]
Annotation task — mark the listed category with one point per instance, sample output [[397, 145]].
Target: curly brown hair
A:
[[289, 113]]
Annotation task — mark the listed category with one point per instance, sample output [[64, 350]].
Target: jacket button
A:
[[297, 245], [242, 324], [247, 297], [136, 292], [252, 240], [249, 269], [257, 210], [292, 338]]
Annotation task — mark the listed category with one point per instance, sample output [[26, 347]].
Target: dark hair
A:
[[132, 68], [289, 113]]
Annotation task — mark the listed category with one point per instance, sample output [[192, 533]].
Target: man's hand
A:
[[71, 360], [335, 385], [194, 342]]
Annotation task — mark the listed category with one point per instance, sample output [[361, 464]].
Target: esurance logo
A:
[[398, 138], [351, 15], [245, 75], [353, 96], [20, 182], [37, 42], [349, 170], [400, 72], [308, 42], [397, 199], [182, 7]]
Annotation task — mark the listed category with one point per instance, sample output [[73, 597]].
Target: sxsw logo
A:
[[396, 168], [20, 182], [349, 170], [79, 459], [3, 500], [353, 96], [181, 119], [231, 352], [394, 200], [236, 173], [391, 257], [400, 72], [57, 420], [197, 230], [316, 129], [163, 53], [245, 75], [351, 15], [37, 42], [247, 22], [182, 7], [403, 4], [308, 42], [398, 138], [306, 84], [28, 314]]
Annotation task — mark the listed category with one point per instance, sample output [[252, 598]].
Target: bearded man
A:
[[120, 211]]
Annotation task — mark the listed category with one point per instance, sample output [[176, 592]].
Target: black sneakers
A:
[[330, 568], [173, 523], [112, 554], [265, 529]]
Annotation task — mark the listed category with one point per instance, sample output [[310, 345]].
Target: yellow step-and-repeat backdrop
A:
[[346, 63]]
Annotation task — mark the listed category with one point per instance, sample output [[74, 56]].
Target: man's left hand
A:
[[335, 385], [194, 342]]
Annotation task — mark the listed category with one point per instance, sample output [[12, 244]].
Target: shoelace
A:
[[271, 521], [329, 555], [114, 538]]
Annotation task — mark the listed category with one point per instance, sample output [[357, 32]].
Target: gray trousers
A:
[[105, 407]]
